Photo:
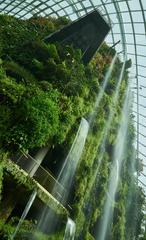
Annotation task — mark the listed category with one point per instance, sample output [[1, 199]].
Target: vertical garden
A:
[[45, 91]]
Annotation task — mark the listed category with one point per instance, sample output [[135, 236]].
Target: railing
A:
[[42, 176]]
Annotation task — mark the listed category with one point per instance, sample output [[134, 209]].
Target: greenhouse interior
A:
[[73, 119]]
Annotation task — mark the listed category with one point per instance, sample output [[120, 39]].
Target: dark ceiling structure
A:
[[127, 19]]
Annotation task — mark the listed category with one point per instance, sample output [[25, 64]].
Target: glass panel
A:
[[61, 13], [135, 6], [53, 15], [126, 16], [116, 28], [139, 28], [56, 8], [141, 69], [144, 4], [141, 50], [96, 2], [63, 4], [28, 15], [48, 11], [87, 3], [137, 16], [113, 18], [130, 40], [43, 6], [109, 39], [36, 3], [110, 8], [2, 6], [82, 13], [142, 149], [140, 39], [69, 10], [141, 61], [133, 64], [51, 2], [130, 49], [123, 6], [89, 10], [128, 28], [78, 6], [73, 16]]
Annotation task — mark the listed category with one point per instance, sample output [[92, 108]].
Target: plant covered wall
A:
[[37, 78], [44, 91]]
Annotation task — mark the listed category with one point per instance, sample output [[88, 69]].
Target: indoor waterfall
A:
[[38, 160], [66, 176], [70, 230], [118, 157], [68, 170], [102, 89], [25, 212], [31, 164], [108, 124], [132, 196]]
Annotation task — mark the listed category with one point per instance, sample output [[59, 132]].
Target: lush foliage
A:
[[27, 231], [41, 86]]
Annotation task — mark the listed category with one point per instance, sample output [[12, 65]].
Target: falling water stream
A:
[[70, 230], [39, 158], [100, 94], [69, 168], [107, 127], [48, 219], [118, 157], [132, 192], [25, 212], [30, 164]]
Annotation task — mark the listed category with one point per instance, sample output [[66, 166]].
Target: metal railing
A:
[[42, 176]]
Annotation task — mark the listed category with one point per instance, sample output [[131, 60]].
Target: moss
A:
[[27, 230], [56, 236], [80, 219], [3, 157], [22, 178], [89, 236]]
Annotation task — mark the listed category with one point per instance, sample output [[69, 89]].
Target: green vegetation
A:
[[27, 231], [44, 91], [41, 85]]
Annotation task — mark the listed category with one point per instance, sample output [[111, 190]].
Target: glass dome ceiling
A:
[[128, 35]]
